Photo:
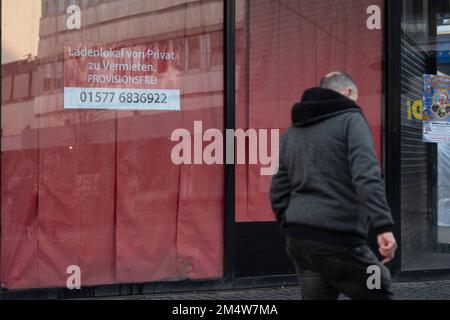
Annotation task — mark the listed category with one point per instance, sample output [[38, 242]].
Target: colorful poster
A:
[[118, 77], [436, 109]]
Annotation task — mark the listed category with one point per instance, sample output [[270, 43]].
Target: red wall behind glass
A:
[[286, 47], [98, 188]]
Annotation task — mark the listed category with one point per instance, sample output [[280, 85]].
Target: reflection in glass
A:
[[97, 188]]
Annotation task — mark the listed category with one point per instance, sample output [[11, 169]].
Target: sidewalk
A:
[[430, 290]]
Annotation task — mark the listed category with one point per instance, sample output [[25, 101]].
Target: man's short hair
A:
[[337, 81]]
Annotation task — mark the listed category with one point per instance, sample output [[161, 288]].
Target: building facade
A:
[[97, 188]]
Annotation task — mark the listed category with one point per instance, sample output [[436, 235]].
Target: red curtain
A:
[[98, 189], [286, 46]]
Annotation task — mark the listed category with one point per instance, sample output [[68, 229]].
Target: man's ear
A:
[[351, 94], [347, 92]]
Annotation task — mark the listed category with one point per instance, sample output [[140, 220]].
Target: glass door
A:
[[283, 48], [443, 150], [425, 203]]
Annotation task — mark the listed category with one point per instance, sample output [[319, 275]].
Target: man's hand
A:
[[387, 246]]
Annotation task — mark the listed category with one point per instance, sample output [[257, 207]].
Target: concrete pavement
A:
[[428, 290]]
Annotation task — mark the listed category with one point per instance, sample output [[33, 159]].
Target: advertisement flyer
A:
[[436, 109], [121, 78]]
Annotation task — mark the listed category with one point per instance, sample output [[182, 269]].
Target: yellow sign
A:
[[415, 110]]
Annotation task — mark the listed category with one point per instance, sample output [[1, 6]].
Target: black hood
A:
[[318, 104]]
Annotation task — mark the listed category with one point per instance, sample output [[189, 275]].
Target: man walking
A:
[[327, 190]]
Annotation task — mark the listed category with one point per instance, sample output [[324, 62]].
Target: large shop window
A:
[[284, 48], [97, 188], [425, 174]]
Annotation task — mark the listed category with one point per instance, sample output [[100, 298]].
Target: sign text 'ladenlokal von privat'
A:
[[125, 78]]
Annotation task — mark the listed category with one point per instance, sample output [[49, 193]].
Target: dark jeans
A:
[[326, 269]]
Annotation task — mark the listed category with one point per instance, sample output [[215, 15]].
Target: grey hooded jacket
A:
[[329, 186]]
